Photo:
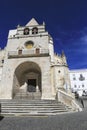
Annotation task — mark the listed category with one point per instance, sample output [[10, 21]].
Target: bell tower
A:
[[29, 53]]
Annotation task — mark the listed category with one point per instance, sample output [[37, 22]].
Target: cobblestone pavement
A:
[[73, 121]]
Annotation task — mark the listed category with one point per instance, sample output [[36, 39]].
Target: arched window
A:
[[59, 71], [29, 44], [74, 78], [81, 78], [26, 31], [83, 85], [35, 30], [75, 86], [20, 52], [37, 50]]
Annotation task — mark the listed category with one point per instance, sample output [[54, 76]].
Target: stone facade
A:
[[29, 59]]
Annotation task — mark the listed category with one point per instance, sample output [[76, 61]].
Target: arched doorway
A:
[[27, 81]]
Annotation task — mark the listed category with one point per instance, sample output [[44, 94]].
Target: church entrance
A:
[[27, 81], [31, 85]]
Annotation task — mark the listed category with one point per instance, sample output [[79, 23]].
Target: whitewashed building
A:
[[78, 79], [28, 65]]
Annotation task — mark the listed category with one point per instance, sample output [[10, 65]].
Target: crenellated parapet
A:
[[63, 57], [61, 72], [60, 59]]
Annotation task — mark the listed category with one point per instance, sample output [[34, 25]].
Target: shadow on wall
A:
[[1, 117]]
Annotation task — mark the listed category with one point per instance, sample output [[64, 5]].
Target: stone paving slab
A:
[[72, 121]]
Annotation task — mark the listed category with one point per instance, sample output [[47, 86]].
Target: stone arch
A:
[[35, 30], [29, 73], [26, 31]]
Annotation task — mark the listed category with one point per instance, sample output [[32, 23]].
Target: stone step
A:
[[27, 101], [29, 111], [31, 102], [32, 107], [14, 104], [26, 95], [36, 111]]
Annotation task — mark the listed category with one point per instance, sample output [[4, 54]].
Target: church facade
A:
[[28, 65]]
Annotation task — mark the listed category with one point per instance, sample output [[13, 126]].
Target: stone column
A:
[[46, 83]]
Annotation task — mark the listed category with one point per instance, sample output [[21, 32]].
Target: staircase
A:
[[25, 107], [27, 95]]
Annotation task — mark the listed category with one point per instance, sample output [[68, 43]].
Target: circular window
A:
[[29, 44]]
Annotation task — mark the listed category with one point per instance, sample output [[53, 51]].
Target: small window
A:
[[2, 61], [35, 30], [19, 52], [37, 50], [74, 78], [26, 31], [59, 71], [81, 78], [75, 86], [83, 85]]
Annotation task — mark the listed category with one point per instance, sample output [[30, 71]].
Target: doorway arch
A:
[[27, 79]]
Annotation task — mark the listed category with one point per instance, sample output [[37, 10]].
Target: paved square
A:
[[73, 121]]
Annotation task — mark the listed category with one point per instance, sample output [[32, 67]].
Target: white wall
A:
[[0, 72], [76, 83]]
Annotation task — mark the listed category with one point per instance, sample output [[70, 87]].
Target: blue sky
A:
[[66, 21]]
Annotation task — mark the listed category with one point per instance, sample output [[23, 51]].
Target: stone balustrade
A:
[[28, 53], [68, 99]]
